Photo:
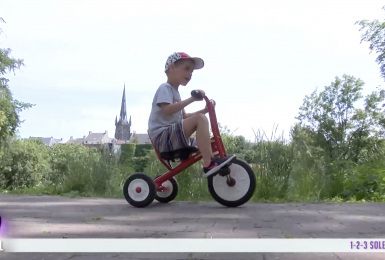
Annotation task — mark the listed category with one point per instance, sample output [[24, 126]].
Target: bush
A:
[[86, 171], [23, 165], [135, 156], [367, 182], [307, 177], [271, 161]]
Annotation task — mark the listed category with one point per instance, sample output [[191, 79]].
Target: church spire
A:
[[123, 111], [122, 126]]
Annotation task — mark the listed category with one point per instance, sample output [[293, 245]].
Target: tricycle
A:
[[231, 186]]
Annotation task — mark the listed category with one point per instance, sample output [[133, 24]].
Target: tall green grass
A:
[[271, 158], [295, 170]]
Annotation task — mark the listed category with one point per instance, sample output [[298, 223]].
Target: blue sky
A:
[[261, 58]]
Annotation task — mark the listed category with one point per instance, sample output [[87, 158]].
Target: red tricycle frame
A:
[[217, 147]]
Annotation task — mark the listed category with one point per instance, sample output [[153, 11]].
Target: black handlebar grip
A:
[[197, 94]]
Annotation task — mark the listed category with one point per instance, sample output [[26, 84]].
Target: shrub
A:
[[366, 182], [23, 164]]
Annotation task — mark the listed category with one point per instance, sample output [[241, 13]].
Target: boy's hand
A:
[[212, 101], [206, 110]]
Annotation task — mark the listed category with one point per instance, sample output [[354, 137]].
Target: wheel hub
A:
[[230, 181], [138, 189]]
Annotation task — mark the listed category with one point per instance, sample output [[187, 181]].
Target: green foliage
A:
[[127, 151], [9, 108], [87, 171], [135, 155], [367, 182], [374, 33], [334, 136], [308, 167], [72, 168], [338, 126], [142, 149], [298, 171], [235, 144], [271, 161], [24, 165], [61, 169], [8, 115]]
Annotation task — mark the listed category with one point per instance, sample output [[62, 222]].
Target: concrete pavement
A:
[[62, 217]]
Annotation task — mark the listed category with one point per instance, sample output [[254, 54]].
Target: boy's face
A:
[[182, 70]]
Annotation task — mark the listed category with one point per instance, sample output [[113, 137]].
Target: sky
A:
[[261, 58]]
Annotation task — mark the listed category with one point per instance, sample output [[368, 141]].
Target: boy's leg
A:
[[198, 123]]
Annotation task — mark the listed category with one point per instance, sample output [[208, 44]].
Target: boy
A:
[[169, 126]]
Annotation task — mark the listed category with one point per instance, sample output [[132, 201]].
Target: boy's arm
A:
[[170, 109]]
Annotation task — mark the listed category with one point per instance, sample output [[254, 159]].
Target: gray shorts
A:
[[172, 138]]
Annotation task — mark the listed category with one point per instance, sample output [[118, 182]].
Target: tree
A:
[[337, 131], [9, 107], [374, 33], [338, 126]]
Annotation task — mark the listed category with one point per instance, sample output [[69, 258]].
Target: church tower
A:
[[122, 126]]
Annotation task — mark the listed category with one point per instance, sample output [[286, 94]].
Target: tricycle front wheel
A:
[[234, 188]]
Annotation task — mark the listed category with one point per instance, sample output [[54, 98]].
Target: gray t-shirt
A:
[[158, 121]]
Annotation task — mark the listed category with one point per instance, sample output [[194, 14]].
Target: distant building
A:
[[97, 139], [123, 126], [76, 140], [49, 141], [140, 139]]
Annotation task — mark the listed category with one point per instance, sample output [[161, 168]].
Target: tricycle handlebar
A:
[[197, 94]]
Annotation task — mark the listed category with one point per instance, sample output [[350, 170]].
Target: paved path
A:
[[62, 217]]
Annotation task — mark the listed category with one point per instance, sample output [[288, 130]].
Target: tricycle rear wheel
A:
[[139, 190], [170, 191]]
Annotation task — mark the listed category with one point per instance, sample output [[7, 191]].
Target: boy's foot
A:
[[216, 164]]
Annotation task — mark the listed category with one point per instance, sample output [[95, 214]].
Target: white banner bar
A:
[[193, 245]]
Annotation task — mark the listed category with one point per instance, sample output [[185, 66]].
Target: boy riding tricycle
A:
[[231, 181]]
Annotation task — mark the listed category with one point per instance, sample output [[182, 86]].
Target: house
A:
[[49, 141], [97, 139], [76, 140], [140, 139]]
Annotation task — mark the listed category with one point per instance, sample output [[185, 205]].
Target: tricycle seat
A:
[[181, 154]]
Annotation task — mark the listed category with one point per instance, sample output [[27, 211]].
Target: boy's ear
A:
[[172, 66], [168, 70]]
